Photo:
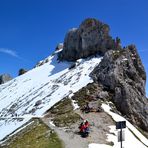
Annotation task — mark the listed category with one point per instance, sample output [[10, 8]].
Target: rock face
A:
[[122, 73], [92, 37], [5, 78], [59, 46], [22, 71]]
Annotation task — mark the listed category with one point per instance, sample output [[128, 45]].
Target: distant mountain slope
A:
[[5, 78]]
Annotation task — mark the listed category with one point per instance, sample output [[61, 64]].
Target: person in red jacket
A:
[[84, 128], [86, 123]]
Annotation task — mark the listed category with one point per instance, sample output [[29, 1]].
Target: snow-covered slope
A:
[[40, 88], [32, 94], [133, 138]]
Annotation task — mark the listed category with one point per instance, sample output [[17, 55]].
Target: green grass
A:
[[85, 94], [62, 107], [63, 113], [36, 135], [66, 119]]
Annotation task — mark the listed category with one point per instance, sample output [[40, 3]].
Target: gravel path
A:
[[99, 123]]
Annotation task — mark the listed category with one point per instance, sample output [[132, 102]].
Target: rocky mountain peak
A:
[[96, 25], [120, 73], [5, 78], [92, 37]]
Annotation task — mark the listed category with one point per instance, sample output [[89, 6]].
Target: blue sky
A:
[[30, 29]]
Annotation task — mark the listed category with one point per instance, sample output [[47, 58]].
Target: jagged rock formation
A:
[[5, 78], [92, 37], [122, 73]]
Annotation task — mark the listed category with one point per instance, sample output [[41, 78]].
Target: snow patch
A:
[[125, 59], [8, 126], [52, 124], [75, 105], [129, 136], [130, 140], [94, 145]]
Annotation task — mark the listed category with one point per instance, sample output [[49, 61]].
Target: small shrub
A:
[[22, 71]]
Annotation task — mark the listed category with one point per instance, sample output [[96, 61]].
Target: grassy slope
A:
[[63, 113], [36, 135]]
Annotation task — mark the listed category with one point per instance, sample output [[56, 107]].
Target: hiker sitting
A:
[[86, 124], [84, 129]]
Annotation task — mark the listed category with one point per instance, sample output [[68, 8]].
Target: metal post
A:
[[120, 125], [121, 137]]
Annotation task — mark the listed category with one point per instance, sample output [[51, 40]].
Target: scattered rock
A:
[[103, 95], [39, 102]]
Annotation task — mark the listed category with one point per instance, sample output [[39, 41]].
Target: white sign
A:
[[121, 137]]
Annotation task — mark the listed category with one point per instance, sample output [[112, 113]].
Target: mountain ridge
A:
[[91, 68]]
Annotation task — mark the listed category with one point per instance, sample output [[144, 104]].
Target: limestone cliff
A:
[[121, 72], [90, 38]]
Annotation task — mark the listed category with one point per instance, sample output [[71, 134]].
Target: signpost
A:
[[121, 135]]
